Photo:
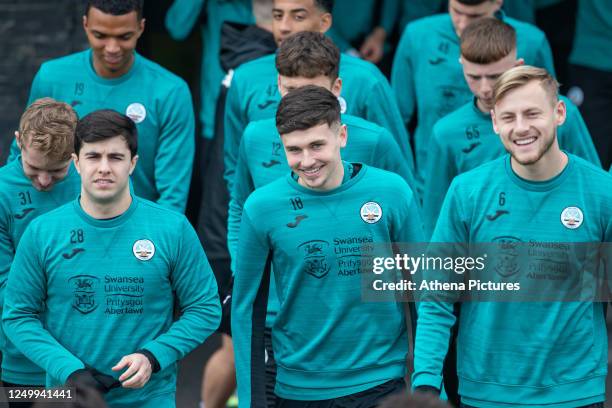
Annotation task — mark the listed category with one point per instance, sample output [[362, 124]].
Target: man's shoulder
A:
[[481, 176], [160, 76], [454, 121], [383, 181], [54, 218], [525, 29], [268, 197], [63, 66], [159, 214], [594, 174], [258, 131], [362, 125], [257, 66], [354, 68], [426, 26]]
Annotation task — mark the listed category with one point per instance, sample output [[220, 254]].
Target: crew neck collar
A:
[[108, 222], [545, 185], [110, 81]]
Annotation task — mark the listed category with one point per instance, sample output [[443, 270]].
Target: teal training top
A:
[[347, 31], [513, 354], [593, 37], [20, 203], [158, 102], [465, 139], [253, 95], [108, 289], [327, 342], [428, 79], [262, 160], [180, 20]]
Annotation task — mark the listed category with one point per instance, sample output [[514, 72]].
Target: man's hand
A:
[[374, 45], [138, 372]]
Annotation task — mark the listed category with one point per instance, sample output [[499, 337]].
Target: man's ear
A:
[[133, 165], [326, 22], [75, 160], [18, 139], [494, 120]]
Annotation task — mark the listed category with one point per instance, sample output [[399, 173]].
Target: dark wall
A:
[[31, 31]]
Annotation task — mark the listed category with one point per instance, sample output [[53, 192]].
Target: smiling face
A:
[[294, 16], [43, 171], [112, 40], [105, 168], [526, 119], [314, 155], [462, 14]]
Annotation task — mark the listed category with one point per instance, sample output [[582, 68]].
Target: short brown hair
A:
[[520, 76], [487, 40], [306, 107], [308, 54], [48, 125]]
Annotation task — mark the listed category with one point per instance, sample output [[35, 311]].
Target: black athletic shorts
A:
[[596, 405], [369, 398]]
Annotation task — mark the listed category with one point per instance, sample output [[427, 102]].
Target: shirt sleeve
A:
[[390, 15], [389, 157], [382, 109], [182, 16], [435, 314], [176, 149], [544, 57], [402, 78], [195, 287], [249, 305], [24, 302], [7, 251], [440, 173], [243, 187], [234, 125], [574, 135]]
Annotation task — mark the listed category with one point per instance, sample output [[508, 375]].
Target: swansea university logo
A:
[[84, 291], [315, 261]]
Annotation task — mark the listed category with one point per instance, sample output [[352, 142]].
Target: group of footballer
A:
[[105, 285]]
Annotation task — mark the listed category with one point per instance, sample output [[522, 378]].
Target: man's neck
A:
[[549, 166], [107, 74], [482, 107], [102, 211]]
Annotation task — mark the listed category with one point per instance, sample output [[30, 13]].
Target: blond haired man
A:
[[529, 354], [41, 179]]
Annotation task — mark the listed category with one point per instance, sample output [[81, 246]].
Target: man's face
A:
[[481, 77], [112, 40], [294, 16], [314, 155], [105, 168], [526, 120], [287, 84], [462, 15], [42, 171]]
